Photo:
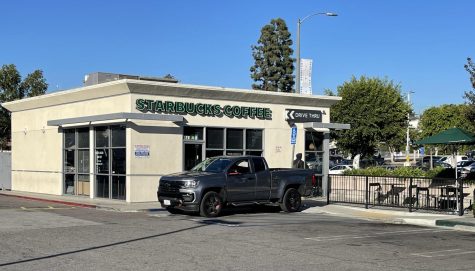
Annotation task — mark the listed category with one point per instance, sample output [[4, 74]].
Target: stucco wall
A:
[[37, 156], [5, 170]]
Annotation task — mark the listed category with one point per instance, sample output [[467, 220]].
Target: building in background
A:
[[306, 76]]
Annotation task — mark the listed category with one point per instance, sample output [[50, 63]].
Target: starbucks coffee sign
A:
[[202, 109]]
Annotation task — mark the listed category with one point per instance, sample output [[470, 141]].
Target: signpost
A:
[[293, 140], [300, 115]]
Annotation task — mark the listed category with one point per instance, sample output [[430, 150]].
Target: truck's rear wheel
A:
[[211, 204], [292, 201]]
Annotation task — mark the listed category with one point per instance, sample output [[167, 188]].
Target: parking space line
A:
[[442, 253], [46, 208], [373, 235]]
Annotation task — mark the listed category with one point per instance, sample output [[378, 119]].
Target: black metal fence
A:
[[414, 193]]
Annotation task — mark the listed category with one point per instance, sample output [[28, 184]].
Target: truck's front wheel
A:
[[211, 204], [292, 201]]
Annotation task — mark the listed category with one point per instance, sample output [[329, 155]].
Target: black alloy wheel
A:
[[292, 201], [211, 204]]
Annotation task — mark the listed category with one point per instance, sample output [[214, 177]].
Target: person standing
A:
[[298, 162]]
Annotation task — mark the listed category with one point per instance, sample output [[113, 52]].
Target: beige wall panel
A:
[[37, 182], [144, 189]]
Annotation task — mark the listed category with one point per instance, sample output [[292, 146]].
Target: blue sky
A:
[[422, 44]]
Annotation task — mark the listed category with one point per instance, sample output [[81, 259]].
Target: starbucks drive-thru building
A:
[[115, 139]]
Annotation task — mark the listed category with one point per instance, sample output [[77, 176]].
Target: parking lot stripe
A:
[[372, 235], [442, 253]]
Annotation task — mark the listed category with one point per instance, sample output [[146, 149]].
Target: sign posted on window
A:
[[293, 136]]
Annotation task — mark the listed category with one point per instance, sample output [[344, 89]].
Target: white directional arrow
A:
[[291, 114]]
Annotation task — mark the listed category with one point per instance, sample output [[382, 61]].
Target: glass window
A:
[[102, 137], [69, 184], [118, 187], [213, 153], [254, 139], [234, 138], [102, 186], [256, 153], [118, 136], [258, 164], [240, 167], [83, 161], [69, 165], [193, 133], [83, 138], [118, 161], [314, 160], [215, 138], [102, 161], [69, 138], [234, 153], [313, 141]]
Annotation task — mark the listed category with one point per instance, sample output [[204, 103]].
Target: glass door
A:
[[193, 154], [76, 161]]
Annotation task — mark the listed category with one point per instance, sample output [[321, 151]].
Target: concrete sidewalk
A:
[[393, 215], [311, 206]]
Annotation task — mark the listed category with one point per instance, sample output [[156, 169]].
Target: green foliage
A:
[[273, 67], [439, 118], [438, 172], [470, 95], [13, 88], [376, 111], [470, 68]]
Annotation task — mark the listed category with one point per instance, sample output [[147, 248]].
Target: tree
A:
[[273, 68], [439, 118], [470, 95], [13, 88], [470, 68], [377, 113]]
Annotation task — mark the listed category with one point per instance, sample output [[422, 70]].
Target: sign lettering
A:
[[212, 110]]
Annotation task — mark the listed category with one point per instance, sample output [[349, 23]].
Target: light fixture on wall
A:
[[24, 131]]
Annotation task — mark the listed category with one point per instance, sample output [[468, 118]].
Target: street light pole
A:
[[299, 22], [408, 163]]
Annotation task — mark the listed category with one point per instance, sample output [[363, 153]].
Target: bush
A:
[[438, 172]]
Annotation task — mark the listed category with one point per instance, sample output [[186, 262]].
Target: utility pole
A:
[[408, 162]]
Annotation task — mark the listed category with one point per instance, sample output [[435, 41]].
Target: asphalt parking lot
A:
[[41, 236]]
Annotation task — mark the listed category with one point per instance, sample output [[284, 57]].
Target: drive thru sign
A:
[[293, 136]]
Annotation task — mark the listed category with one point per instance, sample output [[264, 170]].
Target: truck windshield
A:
[[214, 164]]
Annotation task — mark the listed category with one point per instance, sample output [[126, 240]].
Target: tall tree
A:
[[13, 88], [274, 66], [470, 95], [377, 113], [439, 118], [470, 68]]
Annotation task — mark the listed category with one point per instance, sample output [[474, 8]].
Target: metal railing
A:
[[413, 193]]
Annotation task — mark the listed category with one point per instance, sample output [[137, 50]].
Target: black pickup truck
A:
[[237, 180]]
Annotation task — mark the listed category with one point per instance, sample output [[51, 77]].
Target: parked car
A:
[[234, 180], [465, 167], [339, 169]]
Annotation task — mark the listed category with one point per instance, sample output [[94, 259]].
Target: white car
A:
[[338, 169]]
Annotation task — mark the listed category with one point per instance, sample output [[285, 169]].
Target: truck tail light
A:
[[314, 180]]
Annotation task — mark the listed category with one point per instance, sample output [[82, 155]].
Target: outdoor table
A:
[[394, 192]]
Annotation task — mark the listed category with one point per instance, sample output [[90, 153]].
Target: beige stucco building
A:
[[115, 140]]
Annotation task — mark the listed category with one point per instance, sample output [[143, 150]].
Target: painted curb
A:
[[83, 205]]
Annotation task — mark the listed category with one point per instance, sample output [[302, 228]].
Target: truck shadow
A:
[[257, 209]]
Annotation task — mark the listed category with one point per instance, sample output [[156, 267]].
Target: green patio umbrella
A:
[[452, 136]]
